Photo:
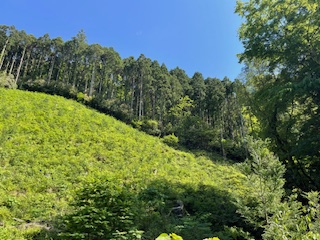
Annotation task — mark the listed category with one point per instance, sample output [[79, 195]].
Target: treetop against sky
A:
[[198, 36]]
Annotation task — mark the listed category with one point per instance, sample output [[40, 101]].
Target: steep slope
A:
[[50, 147]]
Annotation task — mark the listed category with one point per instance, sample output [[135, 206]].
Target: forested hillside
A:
[[139, 91], [265, 124], [57, 154]]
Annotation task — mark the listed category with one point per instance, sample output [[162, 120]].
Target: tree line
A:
[[277, 96], [203, 113]]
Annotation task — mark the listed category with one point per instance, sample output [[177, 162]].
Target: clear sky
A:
[[195, 35]]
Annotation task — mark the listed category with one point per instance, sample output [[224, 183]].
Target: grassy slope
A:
[[50, 146]]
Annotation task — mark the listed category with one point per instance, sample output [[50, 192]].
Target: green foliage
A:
[[7, 81], [280, 40], [273, 214], [195, 134], [150, 127], [172, 140], [128, 89], [171, 236], [102, 210], [53, 151], [83, 98], [294, 220], [265, 174]]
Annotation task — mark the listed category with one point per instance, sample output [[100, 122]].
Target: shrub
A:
[[102, 211], [172, 140], [7, 81]]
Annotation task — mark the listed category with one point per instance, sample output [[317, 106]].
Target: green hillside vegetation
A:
[[54, 151], [244, 156]]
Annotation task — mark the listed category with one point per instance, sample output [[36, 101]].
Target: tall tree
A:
[[95, 51], [5, 32], [144, 77], [56, 49], [197, 93], [285, 36]]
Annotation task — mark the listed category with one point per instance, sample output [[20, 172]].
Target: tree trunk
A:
[[20, 64], [221, 138], [140, 99], [100, 86], [32, 71], [132, 96], [7, 66], [25, 71], [74, 75], [2, 53], [59, 70], [38, 67], [13, 62], [51, 69], [92, 80]]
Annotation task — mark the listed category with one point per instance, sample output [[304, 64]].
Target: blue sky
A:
[[195, 35]]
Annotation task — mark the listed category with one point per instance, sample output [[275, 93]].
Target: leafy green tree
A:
[[295, 220], [265, 173], [180, 111], [102, 211], [284, 37]]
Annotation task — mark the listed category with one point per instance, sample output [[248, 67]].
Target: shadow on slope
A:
[[105, 209]]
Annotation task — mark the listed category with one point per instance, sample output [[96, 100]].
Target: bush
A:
[[102, 211], [172, 140], [83, 98], [7, 81], [150, 127]]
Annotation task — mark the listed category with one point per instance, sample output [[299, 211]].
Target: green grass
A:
[[51, 147]]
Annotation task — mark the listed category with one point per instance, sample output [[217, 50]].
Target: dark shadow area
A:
[[192, 211]]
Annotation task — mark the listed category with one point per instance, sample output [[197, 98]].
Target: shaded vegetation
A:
[[56, 152]]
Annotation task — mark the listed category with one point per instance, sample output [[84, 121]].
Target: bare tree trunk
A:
[[112, 85], [132, 97], [2, 53], [92, 80], [86, 86], [51, 69], [65, 73], [153, 97], [13, 62], [100, 86], [74, 75], [32, 71], [20, 64], [40, 60], [140, 99], [59, 70], [25, 71], [221, 137], [7, 66]]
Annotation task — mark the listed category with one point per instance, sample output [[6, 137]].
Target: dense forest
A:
[[138, 91], [266, 123]]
